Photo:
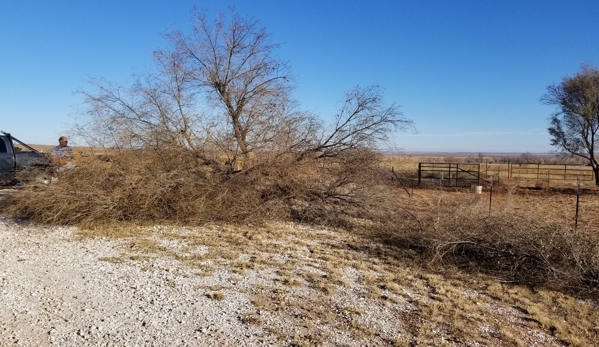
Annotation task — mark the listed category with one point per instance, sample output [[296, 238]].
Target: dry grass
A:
[[528, 237], [325, 281]]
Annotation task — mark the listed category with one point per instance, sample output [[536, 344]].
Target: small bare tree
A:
[[574, 126]]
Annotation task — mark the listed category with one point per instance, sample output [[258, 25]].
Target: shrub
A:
[[515, 244]]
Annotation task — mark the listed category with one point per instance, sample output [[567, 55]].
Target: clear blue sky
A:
[[469, 73]]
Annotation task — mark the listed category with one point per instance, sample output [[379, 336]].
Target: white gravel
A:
[[54, 291], [60, 290]]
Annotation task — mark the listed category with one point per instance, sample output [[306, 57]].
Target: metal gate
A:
[[449, 174]]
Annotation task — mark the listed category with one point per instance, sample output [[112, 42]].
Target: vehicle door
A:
[[7, 159]]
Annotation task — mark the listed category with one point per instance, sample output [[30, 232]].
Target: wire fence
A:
[[461, 174], [540, 172]]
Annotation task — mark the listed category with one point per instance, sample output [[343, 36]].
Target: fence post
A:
[[419, 172], [577, 201], [490, 196], [457, 173]]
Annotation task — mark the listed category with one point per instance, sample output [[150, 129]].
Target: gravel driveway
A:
[[55, 292], [60, 289], [57, 289]]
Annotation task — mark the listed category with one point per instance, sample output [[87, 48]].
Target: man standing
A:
[[62, 155]]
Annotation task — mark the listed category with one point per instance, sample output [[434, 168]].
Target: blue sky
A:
[[469, 73]]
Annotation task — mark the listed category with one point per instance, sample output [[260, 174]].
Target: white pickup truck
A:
[[15, 159]]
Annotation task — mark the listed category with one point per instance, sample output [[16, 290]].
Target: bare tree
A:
[[574, 125], [219, 92], [231, 61], [219, 88]]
